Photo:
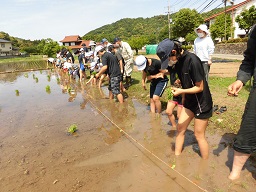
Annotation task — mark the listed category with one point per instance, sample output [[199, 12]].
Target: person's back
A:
[[85, 48], [113, 66], [70, 56]]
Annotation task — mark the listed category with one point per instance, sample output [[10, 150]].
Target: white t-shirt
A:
[[204, 47]]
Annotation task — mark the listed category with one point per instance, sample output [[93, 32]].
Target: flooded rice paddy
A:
[[115, 148]]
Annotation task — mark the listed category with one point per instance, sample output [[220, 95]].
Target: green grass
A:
[[19, 59], [227, 121]]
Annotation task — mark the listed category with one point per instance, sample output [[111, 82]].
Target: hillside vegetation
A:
[[127, 27]]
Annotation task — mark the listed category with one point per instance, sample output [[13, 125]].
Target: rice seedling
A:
[[17, 92], [72, 129], [48, 89]]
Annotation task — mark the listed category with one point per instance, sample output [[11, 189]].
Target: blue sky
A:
[[55, 19]]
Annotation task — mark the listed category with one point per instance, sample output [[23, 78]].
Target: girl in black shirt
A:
[[198, 100]]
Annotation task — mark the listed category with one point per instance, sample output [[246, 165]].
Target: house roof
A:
[[228, 10], [76, 38], [86, 42], [71, 38], [4, 41]]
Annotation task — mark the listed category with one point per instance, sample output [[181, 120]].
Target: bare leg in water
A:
[[238, 163]]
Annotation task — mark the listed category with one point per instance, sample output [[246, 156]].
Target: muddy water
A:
[[37, 154]]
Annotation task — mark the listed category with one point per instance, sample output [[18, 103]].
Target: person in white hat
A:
[[204, 48], [151, 70]]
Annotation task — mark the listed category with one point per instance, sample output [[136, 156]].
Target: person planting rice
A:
[[94, 69], [111, 65], [198, 100], [151, 70]]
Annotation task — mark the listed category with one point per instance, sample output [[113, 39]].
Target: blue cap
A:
[[163, 51], [104, 40], [116, 40]]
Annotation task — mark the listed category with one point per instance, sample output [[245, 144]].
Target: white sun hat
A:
[[204, 28], [141, 62]]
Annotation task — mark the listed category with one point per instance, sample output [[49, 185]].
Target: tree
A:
[[138, 42], [163, 33], [218, 27], [247, 19], [4, 36], [51, 47], [185, 21], [190, 37]]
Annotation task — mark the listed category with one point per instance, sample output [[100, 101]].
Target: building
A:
[[234, 11], [75, 42], [5, 47]]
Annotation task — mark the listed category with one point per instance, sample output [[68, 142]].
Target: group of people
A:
[[192, 95], [189, 77], [116, 61]]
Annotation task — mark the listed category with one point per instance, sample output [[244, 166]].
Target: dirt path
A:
[[224, 69]]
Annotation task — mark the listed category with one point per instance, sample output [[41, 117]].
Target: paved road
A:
[[229, 56]]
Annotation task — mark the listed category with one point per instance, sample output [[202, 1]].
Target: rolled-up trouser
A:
[[128, 68], [206, 70], [245, 140]]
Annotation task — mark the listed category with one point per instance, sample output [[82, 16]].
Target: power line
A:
[[177, 3], [185, 3], [212, 1], [201, 4], [218, 5], [192, 4]]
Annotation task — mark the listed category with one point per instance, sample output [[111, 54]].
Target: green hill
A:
[[127, 27]]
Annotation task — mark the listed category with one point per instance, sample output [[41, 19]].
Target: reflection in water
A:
[[73, 102], [23, 66]]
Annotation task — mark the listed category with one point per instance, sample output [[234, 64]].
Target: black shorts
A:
[[245, 140], [204, 115], [157, 87], [177, 99]]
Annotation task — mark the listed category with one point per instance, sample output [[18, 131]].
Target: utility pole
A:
[[169, 19], [225, 2], [232, 18]]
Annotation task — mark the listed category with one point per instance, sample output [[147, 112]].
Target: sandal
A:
[[222, 109], [215, 108]]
